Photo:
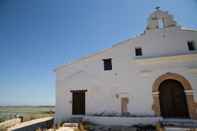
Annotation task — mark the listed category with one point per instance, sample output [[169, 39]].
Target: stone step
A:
[[70, 125], [179, 123], [75, 120]]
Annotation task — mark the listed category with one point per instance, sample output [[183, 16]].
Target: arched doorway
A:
[[188, 92], [172, 98]]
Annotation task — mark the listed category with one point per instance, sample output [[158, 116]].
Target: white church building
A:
[[153, 74]]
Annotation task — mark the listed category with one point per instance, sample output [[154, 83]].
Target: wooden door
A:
[[173, 102], [78, 102]]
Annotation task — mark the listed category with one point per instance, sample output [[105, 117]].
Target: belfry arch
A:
[[162, 17], [191, 104]]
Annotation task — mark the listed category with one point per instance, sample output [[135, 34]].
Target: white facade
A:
[[164, 50]]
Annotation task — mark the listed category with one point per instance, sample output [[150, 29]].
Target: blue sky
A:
[[36, 36]]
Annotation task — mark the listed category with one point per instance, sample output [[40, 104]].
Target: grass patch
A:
[[28, 112]]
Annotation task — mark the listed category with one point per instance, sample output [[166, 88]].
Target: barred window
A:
[[107, 64], [138, 51]]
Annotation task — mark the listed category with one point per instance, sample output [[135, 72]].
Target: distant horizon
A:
[[27, 105]]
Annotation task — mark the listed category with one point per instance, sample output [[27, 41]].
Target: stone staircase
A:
[[179, 124], [73, 122]]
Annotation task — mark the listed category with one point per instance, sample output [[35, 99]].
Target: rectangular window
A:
[[138, 51], [191, 45], [107, 64]]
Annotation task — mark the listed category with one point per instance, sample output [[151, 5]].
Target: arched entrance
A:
[[172, 98], [182, 85]]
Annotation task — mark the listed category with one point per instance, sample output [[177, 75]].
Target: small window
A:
[[191, 45], [107, 64], [138, 51]]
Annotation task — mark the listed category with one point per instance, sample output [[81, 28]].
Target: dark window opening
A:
[[191, 45], [138, 51], [107, 64]]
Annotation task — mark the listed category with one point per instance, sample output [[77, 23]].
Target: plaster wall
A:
[[131, 76]]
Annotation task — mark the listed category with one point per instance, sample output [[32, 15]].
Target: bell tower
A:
[[160, 19]]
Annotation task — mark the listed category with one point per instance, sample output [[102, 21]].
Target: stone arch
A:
[[192, 105], [173, 76]]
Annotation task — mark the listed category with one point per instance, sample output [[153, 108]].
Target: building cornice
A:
[[166, 59]]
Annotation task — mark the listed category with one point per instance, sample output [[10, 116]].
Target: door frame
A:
[[79, 91], [192, 105]]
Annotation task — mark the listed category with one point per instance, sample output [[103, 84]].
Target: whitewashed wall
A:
[[131, 76]]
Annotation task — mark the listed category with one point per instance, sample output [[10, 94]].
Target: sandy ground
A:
[[67, 129]]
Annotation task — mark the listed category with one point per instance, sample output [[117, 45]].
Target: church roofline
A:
[[93, 55], [159, 13], [108, 49]]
